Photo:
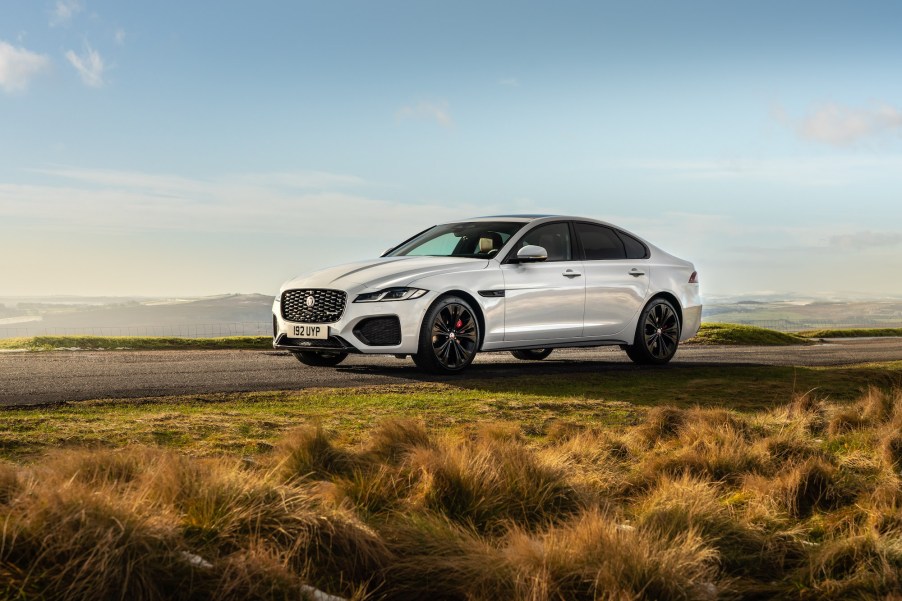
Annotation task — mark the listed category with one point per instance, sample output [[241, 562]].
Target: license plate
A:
[[308, 330]]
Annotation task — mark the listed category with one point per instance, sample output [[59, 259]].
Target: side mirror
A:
[[531, 254]]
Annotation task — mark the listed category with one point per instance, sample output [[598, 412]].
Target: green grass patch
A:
[[249, 423], [852, 333], [135, 343], [729, 333]]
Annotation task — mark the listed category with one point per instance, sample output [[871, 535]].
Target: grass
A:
[[852, 333], [250, 423], [730, 333], [577, 491], [135, 343]]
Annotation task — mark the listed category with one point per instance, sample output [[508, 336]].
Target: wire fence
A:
[[201, 330]]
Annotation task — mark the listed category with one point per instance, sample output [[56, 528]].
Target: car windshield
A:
[[474, 239]]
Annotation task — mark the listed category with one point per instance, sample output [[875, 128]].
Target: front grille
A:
[[328, 305], [379, 331]]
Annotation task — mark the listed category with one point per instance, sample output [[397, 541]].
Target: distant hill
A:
[[209, 316]]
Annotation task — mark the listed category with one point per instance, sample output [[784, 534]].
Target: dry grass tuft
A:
[[489, 483], [394, 438], [308, 451], [697, 503]]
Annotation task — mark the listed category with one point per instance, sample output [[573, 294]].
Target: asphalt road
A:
[[51, 377]]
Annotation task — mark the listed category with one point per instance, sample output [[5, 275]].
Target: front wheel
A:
[[320, 358], [657, 334], [534, 354], [449, 337]]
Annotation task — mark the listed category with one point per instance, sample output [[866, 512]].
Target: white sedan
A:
[[527, 284]]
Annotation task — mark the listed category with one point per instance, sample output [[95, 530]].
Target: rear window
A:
[[600, 242]]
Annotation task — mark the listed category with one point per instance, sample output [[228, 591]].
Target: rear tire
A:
[[534, 354], [320, 358], [657, 334], [449, 337]]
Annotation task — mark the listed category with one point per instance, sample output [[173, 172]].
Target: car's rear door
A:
[[544, 301], [616, 285]]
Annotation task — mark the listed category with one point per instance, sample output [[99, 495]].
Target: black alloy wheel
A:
[[657, 334], [533, 354], [449, 337], [320, 358]]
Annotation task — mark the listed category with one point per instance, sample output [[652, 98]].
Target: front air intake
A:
[[313, 306], [379, 331]]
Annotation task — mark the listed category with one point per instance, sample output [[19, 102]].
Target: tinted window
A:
[[600, 242], [634, 248], [554, 238]]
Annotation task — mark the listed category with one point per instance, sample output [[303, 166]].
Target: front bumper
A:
[[342, 336]]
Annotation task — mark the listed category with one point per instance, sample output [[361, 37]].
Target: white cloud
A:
[[63, 11], [430, 111], [864, 240], [18, 66], [89, 65], [123, 201], [119, 36], [802, 171], [839, 125]]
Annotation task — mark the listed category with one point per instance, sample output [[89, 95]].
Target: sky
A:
[[195, 148]]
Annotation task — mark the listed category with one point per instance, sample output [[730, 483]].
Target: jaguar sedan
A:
[[527, 284]]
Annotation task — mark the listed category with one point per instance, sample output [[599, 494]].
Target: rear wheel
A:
[[320, 358], [449, 337], [533, 354], [657, 334]]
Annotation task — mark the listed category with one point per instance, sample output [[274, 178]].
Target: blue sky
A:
[[186, 148]]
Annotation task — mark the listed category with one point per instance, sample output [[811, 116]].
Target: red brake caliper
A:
[[459, 324]]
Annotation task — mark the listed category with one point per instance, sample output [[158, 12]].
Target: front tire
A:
[[534, 354], [320, 358], [449, 337], [657, 334]]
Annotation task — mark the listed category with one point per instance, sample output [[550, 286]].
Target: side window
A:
[[554, 238], [600, 242], [634, 248]]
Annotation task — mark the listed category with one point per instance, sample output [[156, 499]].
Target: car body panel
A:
[[521, 305]]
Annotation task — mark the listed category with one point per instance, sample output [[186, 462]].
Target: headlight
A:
[[390, 294]]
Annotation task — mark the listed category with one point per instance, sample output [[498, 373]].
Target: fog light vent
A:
[[379, 331]]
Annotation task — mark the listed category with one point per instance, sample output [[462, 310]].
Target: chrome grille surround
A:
[[327, 305]]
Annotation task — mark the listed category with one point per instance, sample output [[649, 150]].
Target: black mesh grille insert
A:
[[379, 331], [326, 306]]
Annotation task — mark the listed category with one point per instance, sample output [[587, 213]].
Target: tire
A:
[[320, 358], [657, 334], [449, 337], [534, 354]]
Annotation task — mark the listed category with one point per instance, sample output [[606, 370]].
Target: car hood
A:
[[382, 273]]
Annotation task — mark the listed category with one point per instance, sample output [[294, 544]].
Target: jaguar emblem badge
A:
[[310, 301]]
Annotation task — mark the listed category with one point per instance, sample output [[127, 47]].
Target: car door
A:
[[616, 284], [544, 301]]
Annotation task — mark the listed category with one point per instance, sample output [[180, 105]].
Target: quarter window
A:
[[634, 248], [554, 238], [600, 242]]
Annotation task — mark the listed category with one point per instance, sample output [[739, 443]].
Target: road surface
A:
[[52, 377]]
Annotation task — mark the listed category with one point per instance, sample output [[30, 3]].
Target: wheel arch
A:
[[480, 317], [672, 299]]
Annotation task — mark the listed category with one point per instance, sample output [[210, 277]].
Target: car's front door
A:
[[617, 277], [544, 301]]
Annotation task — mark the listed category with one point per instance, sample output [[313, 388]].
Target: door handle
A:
[[636, 272], [571, 274]]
